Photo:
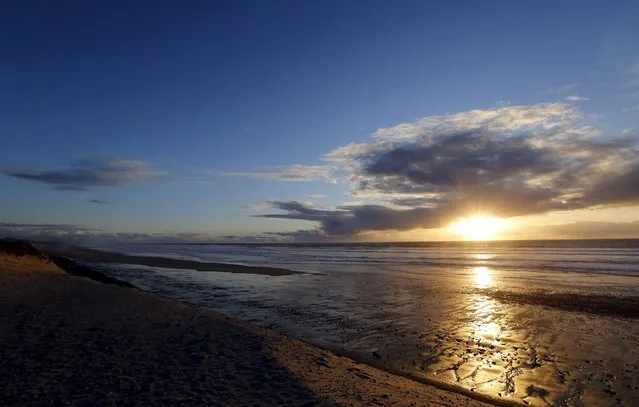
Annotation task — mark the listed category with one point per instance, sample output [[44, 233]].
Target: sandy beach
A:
[[69, 340]]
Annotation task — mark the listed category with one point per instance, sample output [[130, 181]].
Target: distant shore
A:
[[67, 339], [100, 256]]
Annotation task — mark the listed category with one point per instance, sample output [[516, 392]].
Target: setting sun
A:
[[478, 227]]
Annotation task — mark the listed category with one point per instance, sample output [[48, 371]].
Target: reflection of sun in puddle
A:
[[485, 324], [483, 277]]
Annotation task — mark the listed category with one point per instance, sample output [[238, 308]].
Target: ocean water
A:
[[544, 322]]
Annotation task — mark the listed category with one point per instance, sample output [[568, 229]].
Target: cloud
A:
[[508, 161], [100, 201], [87, 235], [415, 201], [505, 120], [631, 109], [615, 190], [577, 98], [560, 89], [295, 172], [41, 226], [43, 231], [350, 220], [88, 174]]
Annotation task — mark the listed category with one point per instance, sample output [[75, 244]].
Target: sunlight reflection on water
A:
[[485, 324], [435, 322], [483, 277], [483, 256]]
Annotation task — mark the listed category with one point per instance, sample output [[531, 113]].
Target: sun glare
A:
[[478, 227], [483, 278]]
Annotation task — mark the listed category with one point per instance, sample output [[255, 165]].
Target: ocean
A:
[[541, 322]]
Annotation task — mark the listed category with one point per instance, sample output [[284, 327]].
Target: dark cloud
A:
[[100, 201], [621, 189], [458, 159], [471, 172], [505, 162], [349, 220], [87, 174]]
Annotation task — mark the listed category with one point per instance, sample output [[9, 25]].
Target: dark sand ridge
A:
[[100, 256], [70, 340], [611, 305]]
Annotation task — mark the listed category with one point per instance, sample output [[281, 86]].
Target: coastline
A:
[[101, 256], [57, 325]]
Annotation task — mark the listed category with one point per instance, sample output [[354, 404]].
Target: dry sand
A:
[[68, 340]]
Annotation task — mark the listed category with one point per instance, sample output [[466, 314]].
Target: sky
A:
[[330, 121]]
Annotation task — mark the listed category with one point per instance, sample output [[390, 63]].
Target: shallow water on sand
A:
[[466, 315]]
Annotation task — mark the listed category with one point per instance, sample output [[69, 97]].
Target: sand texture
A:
[[68, 340]]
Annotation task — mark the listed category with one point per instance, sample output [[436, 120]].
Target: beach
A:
[[537, 323], [69, 340]]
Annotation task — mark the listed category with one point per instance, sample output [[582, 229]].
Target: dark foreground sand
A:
[[68, 340]]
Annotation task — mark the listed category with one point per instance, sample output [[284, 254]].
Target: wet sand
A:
[[100, 256], [443, 327], [611, 305], [66, 339]]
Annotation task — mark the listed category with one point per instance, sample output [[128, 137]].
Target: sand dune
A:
[[69, 340]]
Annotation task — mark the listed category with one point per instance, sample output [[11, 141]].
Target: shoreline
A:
[[100, 256], [350, 382], [84, 271]]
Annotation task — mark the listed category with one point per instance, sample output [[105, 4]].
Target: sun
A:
[[478, 227]]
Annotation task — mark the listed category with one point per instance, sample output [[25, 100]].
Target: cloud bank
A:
[[86, 235], [509, 161]]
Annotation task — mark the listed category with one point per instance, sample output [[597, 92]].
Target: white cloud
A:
[[294, 173], [631, 109], [577, 98], [506, 120]]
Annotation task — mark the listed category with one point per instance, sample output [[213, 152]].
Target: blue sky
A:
[[193, 109]]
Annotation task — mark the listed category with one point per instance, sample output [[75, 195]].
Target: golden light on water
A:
[[482, 256], [483, 277], [478, 227], [486, 325]]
